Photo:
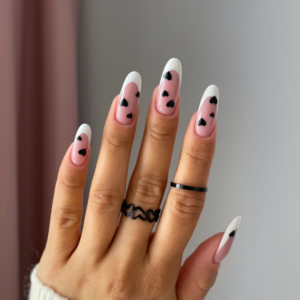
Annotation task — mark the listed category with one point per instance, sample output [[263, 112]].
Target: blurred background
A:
[[65, 61]]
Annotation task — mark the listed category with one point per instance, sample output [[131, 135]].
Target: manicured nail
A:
[[129, 98], [169, 87], [227, 240], [207, 112], [81, 144]]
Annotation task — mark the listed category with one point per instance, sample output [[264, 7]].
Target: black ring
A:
[[189, 188], [134, 208]]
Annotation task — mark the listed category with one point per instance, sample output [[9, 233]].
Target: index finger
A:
[[183, 207]]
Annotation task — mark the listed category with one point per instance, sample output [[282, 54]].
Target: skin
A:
[[112, 260]]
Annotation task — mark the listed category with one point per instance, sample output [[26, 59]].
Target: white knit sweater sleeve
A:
[[38, 291]]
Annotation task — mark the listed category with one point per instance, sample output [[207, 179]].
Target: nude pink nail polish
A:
[[227, 240], [207, 112], [81, 145], [169, 87], [129, 98]]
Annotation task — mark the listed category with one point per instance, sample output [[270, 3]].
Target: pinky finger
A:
[[199, 272], [66, 214]]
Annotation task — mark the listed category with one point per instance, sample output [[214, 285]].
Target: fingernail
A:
[[227, 240], [207, 112], [169, 87], [129, 98], [81, 144]]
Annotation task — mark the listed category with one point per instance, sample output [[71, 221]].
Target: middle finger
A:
[[149, 179]]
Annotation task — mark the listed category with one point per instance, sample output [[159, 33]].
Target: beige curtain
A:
[[38, 119]]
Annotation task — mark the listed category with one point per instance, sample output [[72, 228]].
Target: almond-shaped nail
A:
[[207, 112], [227, 240], [81, 144], [129, 98], [169, 87]]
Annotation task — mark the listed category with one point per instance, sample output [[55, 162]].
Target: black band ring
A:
[[189, 188], [144, 216]]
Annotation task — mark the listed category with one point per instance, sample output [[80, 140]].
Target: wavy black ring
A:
[[189, 188], [147, 214]]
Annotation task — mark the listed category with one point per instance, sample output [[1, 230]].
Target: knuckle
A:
[[200, 155], [185, 206], [105, 200], [68, 217], [71, 180], [150, 188], [116, 140], [160, 132], [205, 285]]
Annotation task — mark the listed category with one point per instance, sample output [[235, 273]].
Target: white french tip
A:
[[173, 64], [234, 225], [211, 91], [84, 128], [133, 77]]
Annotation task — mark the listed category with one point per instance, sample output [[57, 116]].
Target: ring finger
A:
[[109, 182]]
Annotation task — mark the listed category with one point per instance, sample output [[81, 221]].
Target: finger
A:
[[66, 215], [182, 208], [199, 272], [109, 182], [149, 179]]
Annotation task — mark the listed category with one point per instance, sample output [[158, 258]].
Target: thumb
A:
[[199, 272]]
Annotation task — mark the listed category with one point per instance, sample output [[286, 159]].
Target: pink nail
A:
[[81, 145], [227, 240], [207, 112], [169, 87], [129, 98]]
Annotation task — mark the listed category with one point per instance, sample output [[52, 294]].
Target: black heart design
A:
[[214, 100], [79, 138], [171, 103], [212, 115], [124, 102], [168, 76], [201, 122], [129, 116], [127, 207], [138, 94], [82, 152], [165, 94], [232, 233], [129, 211]]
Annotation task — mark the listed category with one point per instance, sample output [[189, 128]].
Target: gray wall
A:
[[251, 51]]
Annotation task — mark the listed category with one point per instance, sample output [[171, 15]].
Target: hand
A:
[[125, 260]]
